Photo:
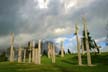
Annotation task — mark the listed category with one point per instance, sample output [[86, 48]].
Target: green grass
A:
[[66, 64]]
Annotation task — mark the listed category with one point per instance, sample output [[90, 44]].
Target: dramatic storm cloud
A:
[[48, 19]]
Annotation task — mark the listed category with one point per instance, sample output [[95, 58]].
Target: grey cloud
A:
[[22, 16], [8, 16], [96, 15]]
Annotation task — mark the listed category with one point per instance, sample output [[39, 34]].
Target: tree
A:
[[3, 57], [89, 40], [45, 52], [69, 52], [60, 52], [92, 43]]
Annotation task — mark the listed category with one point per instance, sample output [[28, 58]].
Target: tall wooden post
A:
[[24, 60], [12, 49], [53, 53], [62, 49], [39, 51], [36, 60], [33, 51], [86, 42], [19, 55], [78, 46], [30, 52], [49, 50]]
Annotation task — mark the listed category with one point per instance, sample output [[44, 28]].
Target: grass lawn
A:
[[66, 64]]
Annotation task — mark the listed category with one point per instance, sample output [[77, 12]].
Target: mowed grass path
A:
[[66, 64]]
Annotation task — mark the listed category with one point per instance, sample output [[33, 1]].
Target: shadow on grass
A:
[[69, 62], [100, 59], [96, 59], [64, 68]]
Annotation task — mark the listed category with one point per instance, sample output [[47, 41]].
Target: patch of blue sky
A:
[[102, 44]]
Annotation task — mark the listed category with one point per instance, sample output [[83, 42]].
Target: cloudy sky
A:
[[51, 19]]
